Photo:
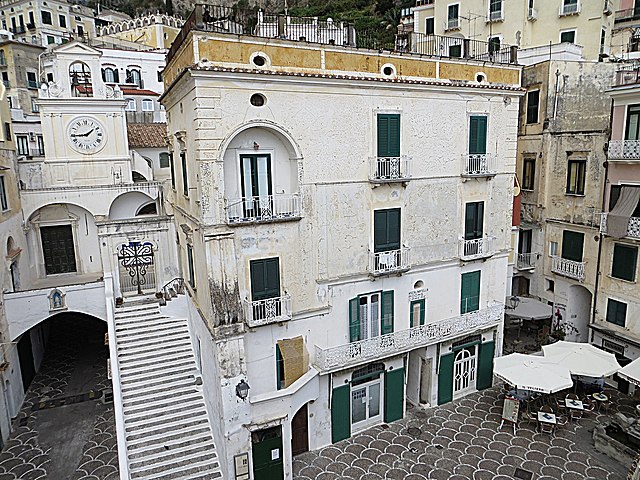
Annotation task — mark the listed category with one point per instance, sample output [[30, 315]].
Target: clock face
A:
[[86, 135]]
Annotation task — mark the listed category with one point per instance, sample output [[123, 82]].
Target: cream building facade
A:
[[525, 23], [342, 258]]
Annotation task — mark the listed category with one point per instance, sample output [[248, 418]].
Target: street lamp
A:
[[242, 390], [514, 302]]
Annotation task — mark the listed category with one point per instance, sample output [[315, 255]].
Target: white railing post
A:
[[479, 164], [267, 311], [390, 261], [265, 208], [115, 377], [568, 268], [476, 248], [389, 169]]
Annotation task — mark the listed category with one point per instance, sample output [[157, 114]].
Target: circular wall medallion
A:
[[86, 135]]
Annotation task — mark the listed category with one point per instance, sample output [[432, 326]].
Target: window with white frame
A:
[[495, 10], [131, 105], [4, 203], [568, 36], [22, 144], [147, 105], [553, 249]]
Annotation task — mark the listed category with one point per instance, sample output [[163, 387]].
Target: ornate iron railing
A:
[[633, 228], [356, 353], [389, 169], [270, 310], [624, 150], [567, 268], [476, 248], [478, 165], [265, 208], [392, 261], [526, 261]]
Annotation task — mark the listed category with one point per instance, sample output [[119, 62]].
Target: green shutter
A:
[[572, 243], [414, 322], [393, 395], [616, 312], [484, 378], [388, 135], [478, 135], [386, 322], [386, 230], [278, 367], [470, 292], [445, 379], [473, 220], [354, 319], [265, 278], [625, 258], [340, 418]]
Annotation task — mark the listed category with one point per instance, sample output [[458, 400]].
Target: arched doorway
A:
[[578, 314], [464, 371], [300, 431]]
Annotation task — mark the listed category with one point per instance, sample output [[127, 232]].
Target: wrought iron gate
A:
[[136, 267]]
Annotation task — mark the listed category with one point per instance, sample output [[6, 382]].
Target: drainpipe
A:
[[600, 236]]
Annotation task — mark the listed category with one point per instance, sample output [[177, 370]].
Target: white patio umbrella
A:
[[532, 372], [631, 372], [582, 359]]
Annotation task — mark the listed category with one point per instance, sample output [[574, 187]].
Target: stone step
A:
[[125, 358], [160, 411], [182, 413], [185, 432], [154, 337], [124, 337], [148, 325], [162, 453], [152, 465], [161, 404], [181, 382], [182, 471], [137, 312], [167, 428], [154, 368], [202, 438], [146, 381], [154, 346], [174, 395], [138, 321]]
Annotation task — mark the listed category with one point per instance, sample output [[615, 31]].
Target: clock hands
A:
[[83, 134]]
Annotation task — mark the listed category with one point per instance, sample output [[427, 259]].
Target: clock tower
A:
[[83, 121]]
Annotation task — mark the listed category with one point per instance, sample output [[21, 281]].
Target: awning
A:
[[530, 309], [631, 372], [618, 218], [582, 358], [532, 372]]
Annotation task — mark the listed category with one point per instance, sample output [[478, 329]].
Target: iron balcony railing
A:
[[479, 165], [526, 261], [567, 268], [476, 248], [267, 311], [633, 227], [265, 208], [219, 19], [392, 261], [396, 343], [569, 8], [624, 150], [389, 169]]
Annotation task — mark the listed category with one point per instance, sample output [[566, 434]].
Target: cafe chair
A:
[[546, 427], [588, 406], [561, 420], [575, 414]]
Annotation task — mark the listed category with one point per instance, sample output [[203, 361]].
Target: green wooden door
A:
[[340, 416], [393, 395], [265, 278], [445, 379], [473, 220], [484, 377], [386, 230], [386, 321], [58, 249], [572, 244], [477, 135], [417, 313], [470, 292], [388, 135], [266, 452]]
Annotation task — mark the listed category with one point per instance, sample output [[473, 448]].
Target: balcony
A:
[[392, 261], [495, 16], [479, 165], [268, 311], [389, 169], [568, 268], [396, 343], [569, 9], [263, 209], [476, 248], [526, 261], [624, 150], [633, 228], [452, 24], [628, 14]]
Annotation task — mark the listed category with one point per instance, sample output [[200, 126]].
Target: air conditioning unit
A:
[[32, 136], [533, 15], [608, 8]]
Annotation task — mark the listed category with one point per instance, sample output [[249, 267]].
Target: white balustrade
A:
[[392, 261], [624, 150], [389, 169], [567, 268], [526, 261], [270, 310], [479, 165], [633, 228], [476, 248], [356, 353], [266, 208]]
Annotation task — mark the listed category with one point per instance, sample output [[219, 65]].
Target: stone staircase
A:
[[167, 430]]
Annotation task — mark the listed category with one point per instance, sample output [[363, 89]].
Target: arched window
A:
[[110, 75], [147, 105], [165, 162], [133, 76], [80, 79], [148, 209], [131, 105]]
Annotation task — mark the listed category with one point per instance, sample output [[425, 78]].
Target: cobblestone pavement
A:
[[461, 441], [46, 431]]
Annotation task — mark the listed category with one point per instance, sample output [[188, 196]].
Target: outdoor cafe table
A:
[[574, 404], [600, 397], [546, 417]]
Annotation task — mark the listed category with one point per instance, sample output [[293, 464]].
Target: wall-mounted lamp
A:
[[514, 302], [242, 390]]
